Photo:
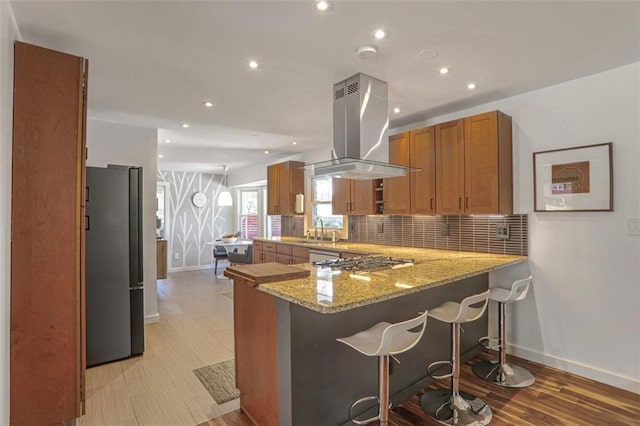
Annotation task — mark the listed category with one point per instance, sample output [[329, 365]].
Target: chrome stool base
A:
[[507, 375], [467, 409]]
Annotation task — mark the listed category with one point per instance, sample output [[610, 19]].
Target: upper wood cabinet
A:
[[488, 176], [474, 165], [450, 167], [284, 181], [415, 192], [397, 191], [353, 197], [422, 156], [47, 331]]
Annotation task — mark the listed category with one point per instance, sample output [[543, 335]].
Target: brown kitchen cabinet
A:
[[353, 197], [396, 192], [422, 156], [450, 167], [474, 165], [284, 181], [48, 328], [161, 259]]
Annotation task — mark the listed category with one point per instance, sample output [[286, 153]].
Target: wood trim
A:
[[47, 312], [505, 163], [256, 352]]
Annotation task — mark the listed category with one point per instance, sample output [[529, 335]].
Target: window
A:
[[249, 218], [322, 195]]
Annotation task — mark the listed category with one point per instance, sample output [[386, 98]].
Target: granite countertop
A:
[[328, 291]]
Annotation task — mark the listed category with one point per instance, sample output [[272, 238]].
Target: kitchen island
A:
[[289, 367]]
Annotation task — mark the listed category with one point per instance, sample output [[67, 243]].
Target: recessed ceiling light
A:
[[208, 104], [253, 64], [160, 155], [322, 5], [294, 143], [185, 125], [379, 34], [396, 110], [471, 86], [167, 141], [266, 152], [444, 70]]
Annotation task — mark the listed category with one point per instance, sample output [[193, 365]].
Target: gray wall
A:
[[190, 227]]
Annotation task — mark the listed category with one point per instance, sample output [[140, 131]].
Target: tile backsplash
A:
[[465, 233]]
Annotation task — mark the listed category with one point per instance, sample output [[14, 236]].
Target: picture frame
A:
[[576, 179]]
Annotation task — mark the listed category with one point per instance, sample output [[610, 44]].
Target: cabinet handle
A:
[[347, 208], [466, 202], [459, 203], [431, 201], [351, 206]]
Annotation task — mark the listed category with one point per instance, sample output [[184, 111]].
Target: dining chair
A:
[[242, 258], [219, 252]]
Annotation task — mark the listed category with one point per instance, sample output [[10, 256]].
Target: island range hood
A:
[[360, 124]]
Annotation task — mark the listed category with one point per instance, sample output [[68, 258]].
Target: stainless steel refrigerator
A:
[[114, 267]]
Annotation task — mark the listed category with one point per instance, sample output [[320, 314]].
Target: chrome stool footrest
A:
[[369, 420], [489, 342], [435, 365]]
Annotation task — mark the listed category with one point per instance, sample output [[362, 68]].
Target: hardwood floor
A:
[[556, 398]]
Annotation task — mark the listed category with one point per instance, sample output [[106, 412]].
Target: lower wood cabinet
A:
[[161, 259], [286, 254]]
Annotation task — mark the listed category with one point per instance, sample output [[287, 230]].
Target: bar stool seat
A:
[[451, 406], [501, 372], [384, 340]]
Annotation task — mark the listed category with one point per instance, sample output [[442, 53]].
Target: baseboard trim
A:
[[150, 319], [191, 268], [608, 377]]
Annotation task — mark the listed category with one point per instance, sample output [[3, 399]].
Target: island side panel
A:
[[327, 376], [256, 352]]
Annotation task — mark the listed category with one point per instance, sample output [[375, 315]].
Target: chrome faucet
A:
[[315, 229]]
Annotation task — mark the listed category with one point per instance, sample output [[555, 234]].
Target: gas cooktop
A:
[[365, 263]]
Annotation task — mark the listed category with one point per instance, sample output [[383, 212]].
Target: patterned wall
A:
[[190, 227]]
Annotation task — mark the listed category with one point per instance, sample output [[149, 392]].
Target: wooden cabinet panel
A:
[[341, 196], [257, 245], [284, 249], [450, 167], [268, 256], [423, 181], [161, 259], [353, 197], [298, 259], [396, 190], [284, 181], [269, 246], [488, 162], [362, 197], [47, 302], [283, 259], [258, 256], [255, 327], [273, 189], [298, 251], [346, 254]]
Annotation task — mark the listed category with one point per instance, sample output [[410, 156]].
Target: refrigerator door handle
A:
[[137, 287], [86, 222]]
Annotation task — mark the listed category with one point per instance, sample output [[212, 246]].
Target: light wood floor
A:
[[556, 398], [159, 388]]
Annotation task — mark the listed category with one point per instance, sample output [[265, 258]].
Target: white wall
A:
[[583, 314], [111, 143], [8, 33]]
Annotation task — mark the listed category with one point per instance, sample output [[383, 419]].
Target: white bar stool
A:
[[450, 406], [384, 340], [501, 372]]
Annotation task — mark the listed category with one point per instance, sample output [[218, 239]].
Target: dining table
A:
[[239, 245]]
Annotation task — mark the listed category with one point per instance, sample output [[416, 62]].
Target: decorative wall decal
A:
[[192, 227]]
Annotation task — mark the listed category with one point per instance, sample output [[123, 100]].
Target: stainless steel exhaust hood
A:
[[360, 124]]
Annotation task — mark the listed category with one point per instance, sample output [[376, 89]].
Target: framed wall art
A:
[[578, 179]]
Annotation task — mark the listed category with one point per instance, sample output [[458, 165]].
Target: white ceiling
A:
[[154, 63]]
